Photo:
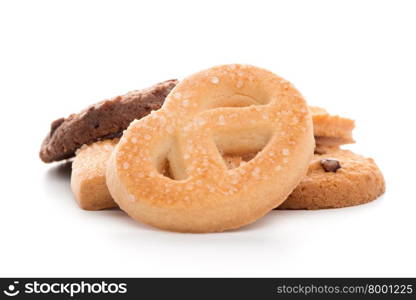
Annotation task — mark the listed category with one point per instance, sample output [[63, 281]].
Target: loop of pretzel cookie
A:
[[168, 169]]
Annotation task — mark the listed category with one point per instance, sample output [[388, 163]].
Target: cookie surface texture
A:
[[103, 120], [336, 179], [168, 169], [330, 131]]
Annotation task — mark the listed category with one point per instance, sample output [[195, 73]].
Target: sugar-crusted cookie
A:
[[167, 169], [336, 179], [107, 119], [322, 123], [103, 120], [88, 175]]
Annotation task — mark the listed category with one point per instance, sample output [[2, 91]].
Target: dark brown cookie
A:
[[105, 119]]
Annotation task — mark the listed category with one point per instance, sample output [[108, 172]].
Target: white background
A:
[[355, 58]]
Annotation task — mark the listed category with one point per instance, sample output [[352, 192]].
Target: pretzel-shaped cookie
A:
[[168, 168]]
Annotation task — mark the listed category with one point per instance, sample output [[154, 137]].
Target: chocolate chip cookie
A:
[[104, 120], [336, 179]]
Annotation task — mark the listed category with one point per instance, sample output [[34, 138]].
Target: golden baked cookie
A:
[[330, 131], [322, 123], [88, 175], [337, 179], [168, 170]]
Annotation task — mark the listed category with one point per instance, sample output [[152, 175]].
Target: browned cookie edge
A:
[[337, 179], [105, 119]]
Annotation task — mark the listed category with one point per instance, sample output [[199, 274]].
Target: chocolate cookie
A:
[[336, 179], [106, 119]]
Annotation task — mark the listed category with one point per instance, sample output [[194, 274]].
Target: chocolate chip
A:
[[330, 164]]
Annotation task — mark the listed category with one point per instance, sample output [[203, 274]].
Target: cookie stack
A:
[[214, 152]]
